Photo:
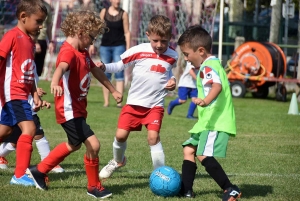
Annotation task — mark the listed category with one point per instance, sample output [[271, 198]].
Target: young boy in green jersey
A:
[[209, 136]]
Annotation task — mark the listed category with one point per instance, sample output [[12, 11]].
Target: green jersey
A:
[[219, 114]]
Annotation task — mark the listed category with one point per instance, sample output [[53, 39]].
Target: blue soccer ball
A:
[[165, 181]]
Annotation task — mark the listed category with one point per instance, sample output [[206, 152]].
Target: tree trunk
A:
[[275, 22], [235, 15]]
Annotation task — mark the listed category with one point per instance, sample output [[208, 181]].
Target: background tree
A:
[[275, 21]]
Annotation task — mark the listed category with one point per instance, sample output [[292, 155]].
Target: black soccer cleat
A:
[[99, 192], [232, 193], [40, 179], [189, 194]]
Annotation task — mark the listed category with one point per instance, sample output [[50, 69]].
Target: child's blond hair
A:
[[85, 21], [160, 25]]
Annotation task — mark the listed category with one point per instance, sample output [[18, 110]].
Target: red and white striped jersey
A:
[[150, 74], [75, 83], [17, 68]]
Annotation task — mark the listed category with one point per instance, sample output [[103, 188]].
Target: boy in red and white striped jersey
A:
[[151, 80]]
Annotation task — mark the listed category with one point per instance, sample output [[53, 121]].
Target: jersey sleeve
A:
[[6, 44], [66, 56], [209, 76], [130, 56]]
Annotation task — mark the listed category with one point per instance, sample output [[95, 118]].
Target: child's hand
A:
[[40, 92], [171, 85], [117, 96], [200, 102], [101, 65], [56, 90], [38, 48], [46, 104]]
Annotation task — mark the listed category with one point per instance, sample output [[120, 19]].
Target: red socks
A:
[[57, 155], [92, 171], [23, 154]]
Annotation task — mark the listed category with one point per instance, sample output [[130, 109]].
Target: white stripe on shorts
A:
[[209, 146]]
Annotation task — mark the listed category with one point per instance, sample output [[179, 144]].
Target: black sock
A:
[[188, 176], [214, 169]]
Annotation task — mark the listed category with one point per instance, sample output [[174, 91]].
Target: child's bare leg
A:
[[120, 88], [105, 96]]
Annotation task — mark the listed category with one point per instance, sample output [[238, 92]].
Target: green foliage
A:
[[263, 159]]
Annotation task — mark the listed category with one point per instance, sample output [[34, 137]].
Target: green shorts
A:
[[209, 143]]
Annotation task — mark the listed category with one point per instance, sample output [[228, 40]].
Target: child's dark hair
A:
[[83, 20], [196, 36], [160, 25], [30, 7]]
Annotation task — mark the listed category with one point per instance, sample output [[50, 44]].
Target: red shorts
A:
[[132, 118]]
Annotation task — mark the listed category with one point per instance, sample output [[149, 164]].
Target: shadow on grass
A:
[[251, 190], [121, 188]]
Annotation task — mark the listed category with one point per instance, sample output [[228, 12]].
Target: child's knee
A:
[[189, 152], [153, 139], [182, 101]]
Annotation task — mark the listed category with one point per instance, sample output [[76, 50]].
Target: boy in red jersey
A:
[[70, 85], [152, 79], [17, 82], [42, 144]]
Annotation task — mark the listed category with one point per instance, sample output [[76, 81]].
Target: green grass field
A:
[[263, 160]]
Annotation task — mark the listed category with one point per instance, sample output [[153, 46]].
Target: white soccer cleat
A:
[[57, 169], [3, 163], [109, 169]]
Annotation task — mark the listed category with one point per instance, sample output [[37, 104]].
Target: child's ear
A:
[[148, 34], [23, 15], [201, 51]]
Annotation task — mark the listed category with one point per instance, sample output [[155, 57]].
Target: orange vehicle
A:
[[254, 67]]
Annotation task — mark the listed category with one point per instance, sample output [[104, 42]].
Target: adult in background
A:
[[114, 42], [43, 39]]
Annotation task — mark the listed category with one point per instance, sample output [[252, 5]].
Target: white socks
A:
[[157, 155], [119, 150], [43, 147], [6, 148], [41, 144]]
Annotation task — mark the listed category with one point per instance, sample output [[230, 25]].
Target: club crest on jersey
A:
[[158, 68]]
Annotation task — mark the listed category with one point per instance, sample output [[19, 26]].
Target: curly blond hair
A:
[[85, 21]]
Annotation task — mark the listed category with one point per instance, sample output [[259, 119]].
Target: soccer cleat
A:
[[24, 181], [109, 169], [189, 194], [57, 169], [170, 109], [191, 117], [3, 163], [40, 179], [232, 193], [98, 192]]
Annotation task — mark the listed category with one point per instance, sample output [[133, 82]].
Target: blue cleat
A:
[[191, 117], [170, 109], [24, 181]]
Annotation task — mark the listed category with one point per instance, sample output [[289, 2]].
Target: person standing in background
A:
[[44, 38], [114, 42]]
